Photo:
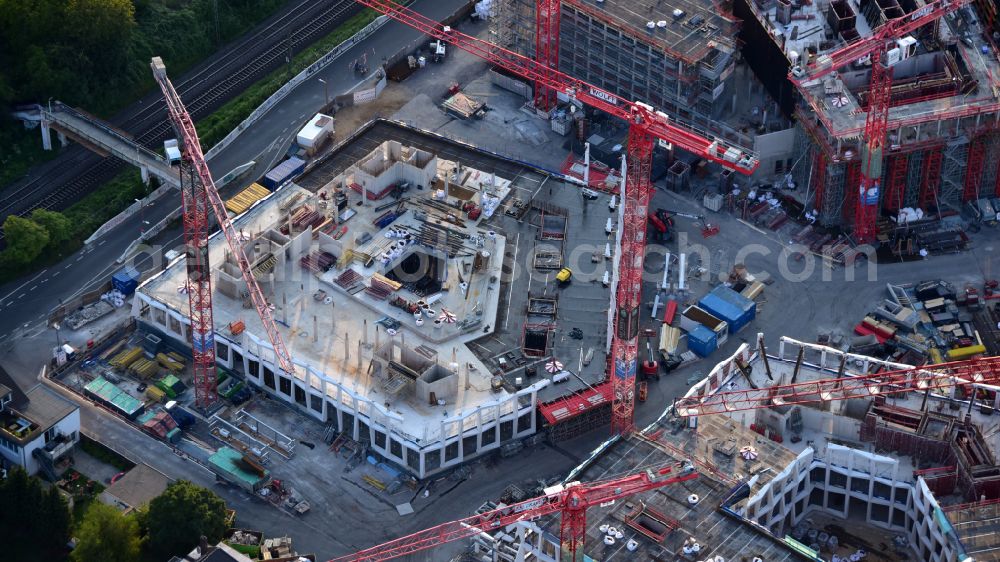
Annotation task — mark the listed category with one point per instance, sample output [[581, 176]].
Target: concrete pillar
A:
[[144, 173], [46, 136], [63, 141]]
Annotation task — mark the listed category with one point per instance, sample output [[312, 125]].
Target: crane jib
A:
[[604, 96]]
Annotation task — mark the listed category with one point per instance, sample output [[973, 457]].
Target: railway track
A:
[[204, 90]]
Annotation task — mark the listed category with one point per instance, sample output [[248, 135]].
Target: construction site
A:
[[932, 136], [757, 268], [801, 474]]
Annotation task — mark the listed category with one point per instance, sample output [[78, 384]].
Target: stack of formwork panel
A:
[[246, 198], [125, 359]]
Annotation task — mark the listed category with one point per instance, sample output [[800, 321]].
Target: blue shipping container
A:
[[702, 341], [726, 304], [126, 280], [283, 172]]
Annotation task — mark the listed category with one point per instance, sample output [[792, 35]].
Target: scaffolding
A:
[[974, 169], [852, 185], [833, 193], [954, 157], [990, 172], [819, 175], [897, 172]]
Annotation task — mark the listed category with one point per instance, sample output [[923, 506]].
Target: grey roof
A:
[[224, 553], [7, 381], [139, 485], [45, 407]]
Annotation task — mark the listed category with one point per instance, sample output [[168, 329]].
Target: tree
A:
[[106, 535], [103, 29], [39, 527], [59, 228], [56, 518], [182, 514], [25, 240]]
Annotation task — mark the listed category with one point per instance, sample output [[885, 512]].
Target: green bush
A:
[[22, 149], [104, 454]]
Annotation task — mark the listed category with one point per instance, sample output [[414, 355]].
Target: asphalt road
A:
[[24, 303]]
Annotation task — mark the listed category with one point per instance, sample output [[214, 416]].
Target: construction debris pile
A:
[[930, 322]]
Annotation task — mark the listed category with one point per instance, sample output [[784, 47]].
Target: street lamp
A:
[[326, 90], [142, 217], [55, 326]]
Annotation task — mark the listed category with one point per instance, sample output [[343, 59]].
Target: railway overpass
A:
[[97, 136]]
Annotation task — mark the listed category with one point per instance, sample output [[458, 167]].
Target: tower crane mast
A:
[[879, 101], [200, 197], [572, 500], [646, 125], [547, 17]]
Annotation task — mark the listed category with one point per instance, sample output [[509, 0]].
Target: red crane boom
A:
[[984, 371], [645, 125], [199, 195], [572, 500], [892, 29]]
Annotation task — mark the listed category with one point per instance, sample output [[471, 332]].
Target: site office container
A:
[[726, 304], [283, 172], [699, 315], [126, 280], [702, 341]]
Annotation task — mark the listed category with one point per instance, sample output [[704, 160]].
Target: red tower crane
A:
[[645, 126], [199, 196], [879, 100], [571, 500], [547, 14], [984, 371]]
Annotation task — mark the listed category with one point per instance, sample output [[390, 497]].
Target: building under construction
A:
[[943, 140], [382, 264], [907, 475], [942, 134], [678, 58]]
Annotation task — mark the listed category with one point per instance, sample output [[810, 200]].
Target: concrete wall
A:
[[853, 484], [442, 382], [772, 147]]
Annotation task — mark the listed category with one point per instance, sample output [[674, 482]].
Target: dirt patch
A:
[[350, 119]]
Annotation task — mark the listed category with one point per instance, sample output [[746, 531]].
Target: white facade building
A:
[[39, 432]]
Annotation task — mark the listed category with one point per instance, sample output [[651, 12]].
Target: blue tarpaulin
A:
[[726, 304]]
